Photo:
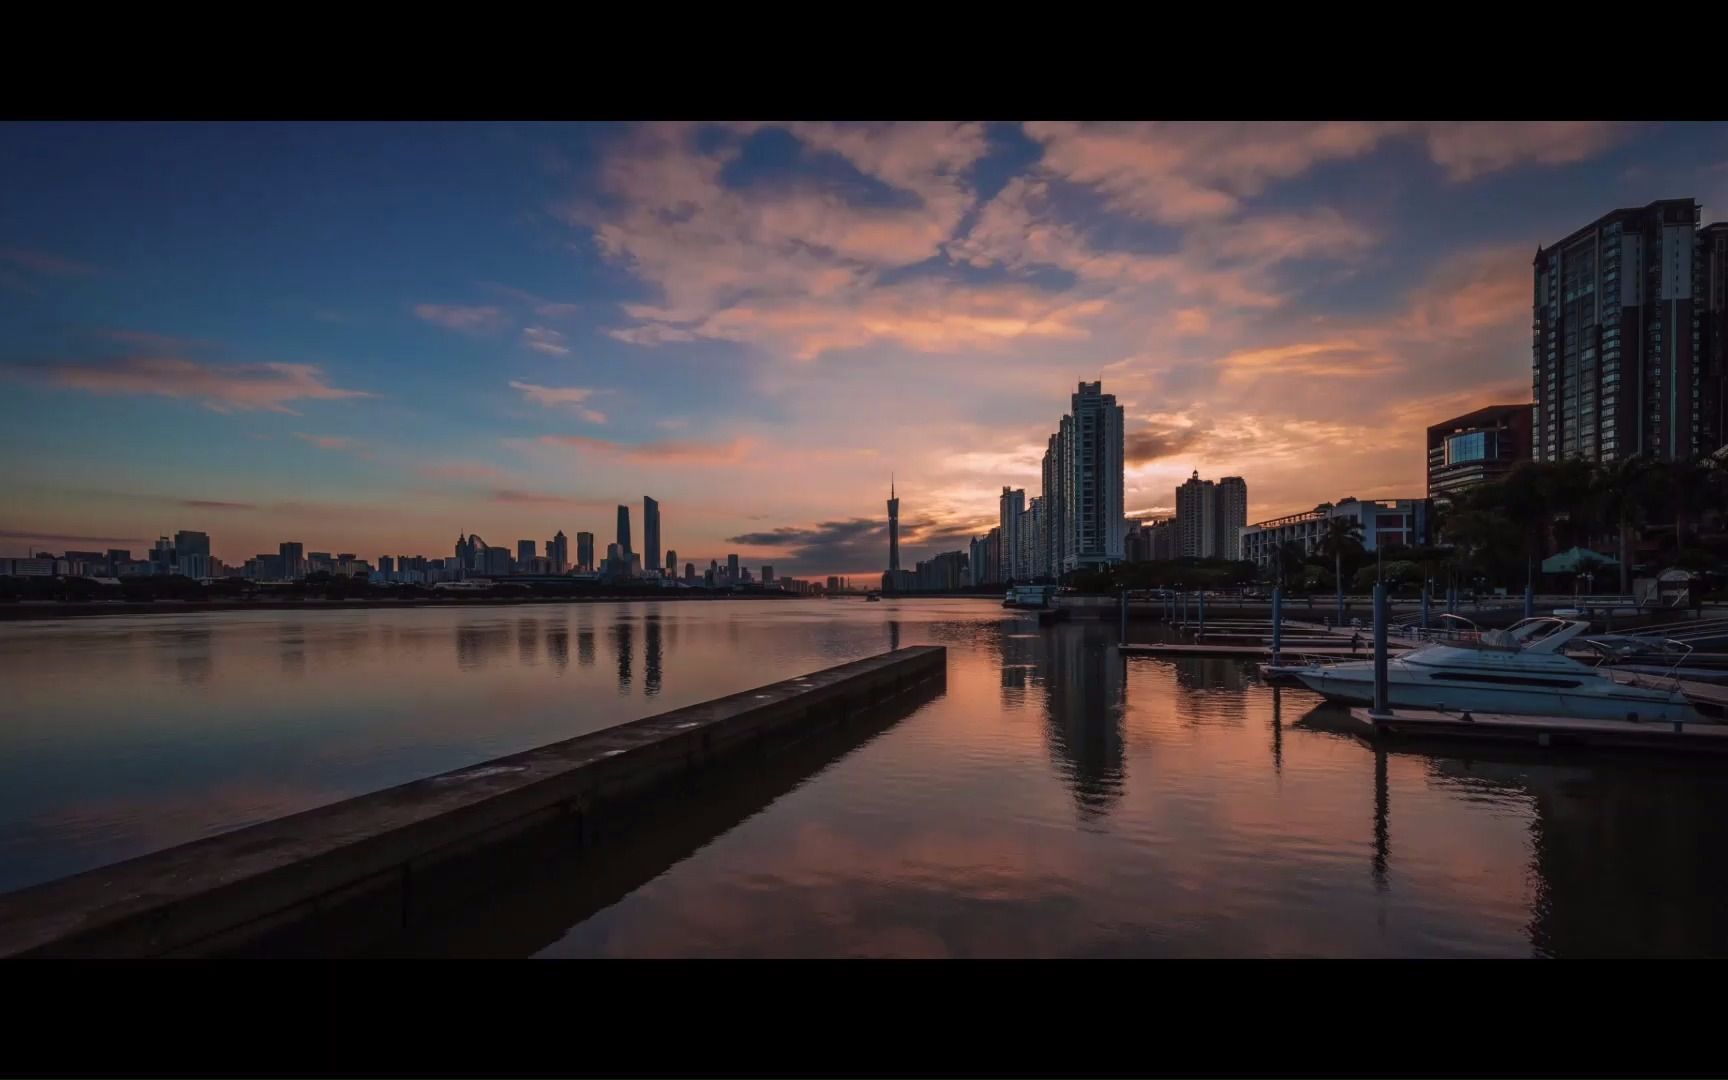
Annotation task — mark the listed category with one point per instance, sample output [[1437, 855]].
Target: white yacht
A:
[[1518, 670]]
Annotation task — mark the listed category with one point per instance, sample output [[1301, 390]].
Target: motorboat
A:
[[872, 595], [1034, 597], [1522, 669]]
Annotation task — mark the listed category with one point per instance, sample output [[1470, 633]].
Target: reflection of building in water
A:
[[190, 648], [527, 641], [1084, 695], [585, 647], [558, 643], [479, 643], [621, 649], [1626, 855], [651, 675], [291, 639], [1213, 675], [893, 633]]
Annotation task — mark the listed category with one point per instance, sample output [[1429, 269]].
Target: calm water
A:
[[1053, 800]]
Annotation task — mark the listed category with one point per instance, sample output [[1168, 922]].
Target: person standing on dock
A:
[[1355, 642]]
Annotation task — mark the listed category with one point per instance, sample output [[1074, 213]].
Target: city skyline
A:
[[439, 328]]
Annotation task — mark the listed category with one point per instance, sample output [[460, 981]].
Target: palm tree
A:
[[1621, 496], [1343, 534]]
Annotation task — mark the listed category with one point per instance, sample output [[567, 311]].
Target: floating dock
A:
[[1550, 731], [1252, 652], [384, 861]]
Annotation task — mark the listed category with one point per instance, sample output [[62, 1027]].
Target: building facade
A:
[[1196, 517], [1230, 504], [650, 533], [1009, 508], [1093, 487], [558, 552], [1615, 368], [624, 530], [585, 552], [1477, 448], [1385, 523]]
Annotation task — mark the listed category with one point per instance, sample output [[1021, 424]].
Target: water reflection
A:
[[1278, 729], [621, 650], [480, 642], [558, 643], [527, 641], [1084, 696], [1382, 834], [651, 675], [291, 649], [585, 647]]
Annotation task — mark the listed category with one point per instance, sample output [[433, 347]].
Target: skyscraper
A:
[[293, 557], [767, 575], [1008, 510], [524, 552], [893, 526], [1095, 526], [187, 542], [1712, 292], [1055, 541], [732, 569], [585, 552], [558, 551], [1230, 500], [650, 533], [1614, 366], [671, 563], [624, 530], [1196, 518]]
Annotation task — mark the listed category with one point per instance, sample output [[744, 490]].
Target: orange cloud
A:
[[553, 396], [669, 451], [219, 387]]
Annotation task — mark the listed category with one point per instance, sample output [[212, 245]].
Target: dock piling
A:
[[1381, 706], [1277, 621]]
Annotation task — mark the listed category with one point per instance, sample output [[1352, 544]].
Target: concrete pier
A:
[[385, 858]]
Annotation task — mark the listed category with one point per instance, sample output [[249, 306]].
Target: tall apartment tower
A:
[[650, 533], [1009, 509], [893, 526], [585, 552], [1094, 491], [624, 530], [1712, 302], [558, 553], [1614, 359], [1230, 501], [1196, 517]]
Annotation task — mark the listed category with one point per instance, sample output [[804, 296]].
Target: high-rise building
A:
[[650, 533], [893, 526], [558, 553], [767, 575], [1093, 484], [1477, 448], [1230, 501], [1614, 354], [689, 571], [585, 552], [671, 563], [624, 530], [732, 569], [1054, 505], [1196, 518], [386, 567], [187, 542], [1712, 301], [1009, 508], [524, 552], [293, 557]]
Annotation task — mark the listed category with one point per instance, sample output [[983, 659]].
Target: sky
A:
[[374, 337]]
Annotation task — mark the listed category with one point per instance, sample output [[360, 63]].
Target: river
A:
[[1053, 800]]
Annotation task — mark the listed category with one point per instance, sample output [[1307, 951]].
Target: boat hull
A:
[[1596, 699]]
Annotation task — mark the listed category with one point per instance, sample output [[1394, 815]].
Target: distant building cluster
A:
[[473, 562]]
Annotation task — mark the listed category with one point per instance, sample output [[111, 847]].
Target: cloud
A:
[[540, 339], [330, 442], [513, 497], [462, 470], [42, 262], [219, 387], [16, 534], [726, 257], [216, 504], [1160, 439], [554, 396], [853, 545], [465, 319], [667, 451], [1183, 173]]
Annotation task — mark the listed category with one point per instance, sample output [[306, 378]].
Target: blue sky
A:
[[372, 337]]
